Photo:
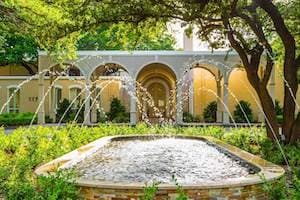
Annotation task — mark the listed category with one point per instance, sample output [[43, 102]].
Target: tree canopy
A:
[[123, 36]]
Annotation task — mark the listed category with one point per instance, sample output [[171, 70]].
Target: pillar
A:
[[133, 97], [179, 109], [225, 100], [272, 85], [94, 108], [87, 106], [52, 99], [41, 111], [219, 103], [191, 93]]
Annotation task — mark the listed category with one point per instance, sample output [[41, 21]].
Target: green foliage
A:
[[23, 150], [150, 191], [70, 114], [19, 49], [279, 112], [117, 112], [210, 112], [57, 186], [188, 117], [16, 119], [181, 194], [124, 36], [242, 109]]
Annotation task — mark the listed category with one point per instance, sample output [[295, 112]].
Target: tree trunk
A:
[[270, 114]]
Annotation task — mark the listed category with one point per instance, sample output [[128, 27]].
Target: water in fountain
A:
[[190, 161]]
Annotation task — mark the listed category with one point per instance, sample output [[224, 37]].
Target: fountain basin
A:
[[108, 168]]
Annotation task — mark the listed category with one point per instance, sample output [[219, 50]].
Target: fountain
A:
[[118, 167]]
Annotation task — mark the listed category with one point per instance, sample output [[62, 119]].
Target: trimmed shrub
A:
[[16, 119], [279, 112], [210, 112], [117, 112], [239, 115], [188, 117], [70, 114]]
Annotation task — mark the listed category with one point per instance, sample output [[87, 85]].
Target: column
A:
[[87, 106], [52, 100], [219, 103], [191, 93], [272, 85], [94, 108], [133, 97], [225, 100], [179, 113], [41, 111]]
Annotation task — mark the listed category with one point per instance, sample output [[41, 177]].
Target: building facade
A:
[[153, 85]]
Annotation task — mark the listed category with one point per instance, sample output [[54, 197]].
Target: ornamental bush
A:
[[117, 112], [16, 119], [243, 112], [25, 149], [210, 112]]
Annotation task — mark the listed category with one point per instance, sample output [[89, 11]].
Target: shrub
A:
[[279, 112], [16, 119], [70, 114], [210, 112], [117, 112], [188, 117], [239, 115]]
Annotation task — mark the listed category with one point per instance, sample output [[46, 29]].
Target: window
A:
[[14, 103], [74, 92], [58, 97]]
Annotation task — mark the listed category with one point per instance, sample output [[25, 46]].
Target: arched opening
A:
[[202, 93], [107, 91], [67, 84], [156, 86]]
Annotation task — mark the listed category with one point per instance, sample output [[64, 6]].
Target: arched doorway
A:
[[156, 93]]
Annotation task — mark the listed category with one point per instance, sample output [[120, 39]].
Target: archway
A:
[[156, 85], [106, 86], [202, 90], [67, 84]]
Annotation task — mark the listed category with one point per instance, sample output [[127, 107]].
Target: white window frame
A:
[[73, 87], [55, 94], [8, 104]]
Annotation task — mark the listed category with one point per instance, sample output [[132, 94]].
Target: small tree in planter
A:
[[239, 115], [210, 112]]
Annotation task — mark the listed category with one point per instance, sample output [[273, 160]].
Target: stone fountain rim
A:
[[268, 170]]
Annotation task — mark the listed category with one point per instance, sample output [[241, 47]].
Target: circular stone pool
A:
[[118, 168]]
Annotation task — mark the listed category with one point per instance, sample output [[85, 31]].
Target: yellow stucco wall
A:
[[29, 93], [238, 85]]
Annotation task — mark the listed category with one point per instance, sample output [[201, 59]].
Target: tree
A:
[[21, 50], [123, 36]]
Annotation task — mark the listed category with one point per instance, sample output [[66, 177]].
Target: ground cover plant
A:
[[25, 149]]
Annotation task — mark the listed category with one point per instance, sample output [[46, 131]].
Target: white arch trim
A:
[[7, 93], [105, 63], [71, 64], [156, 62], [58, 86]]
